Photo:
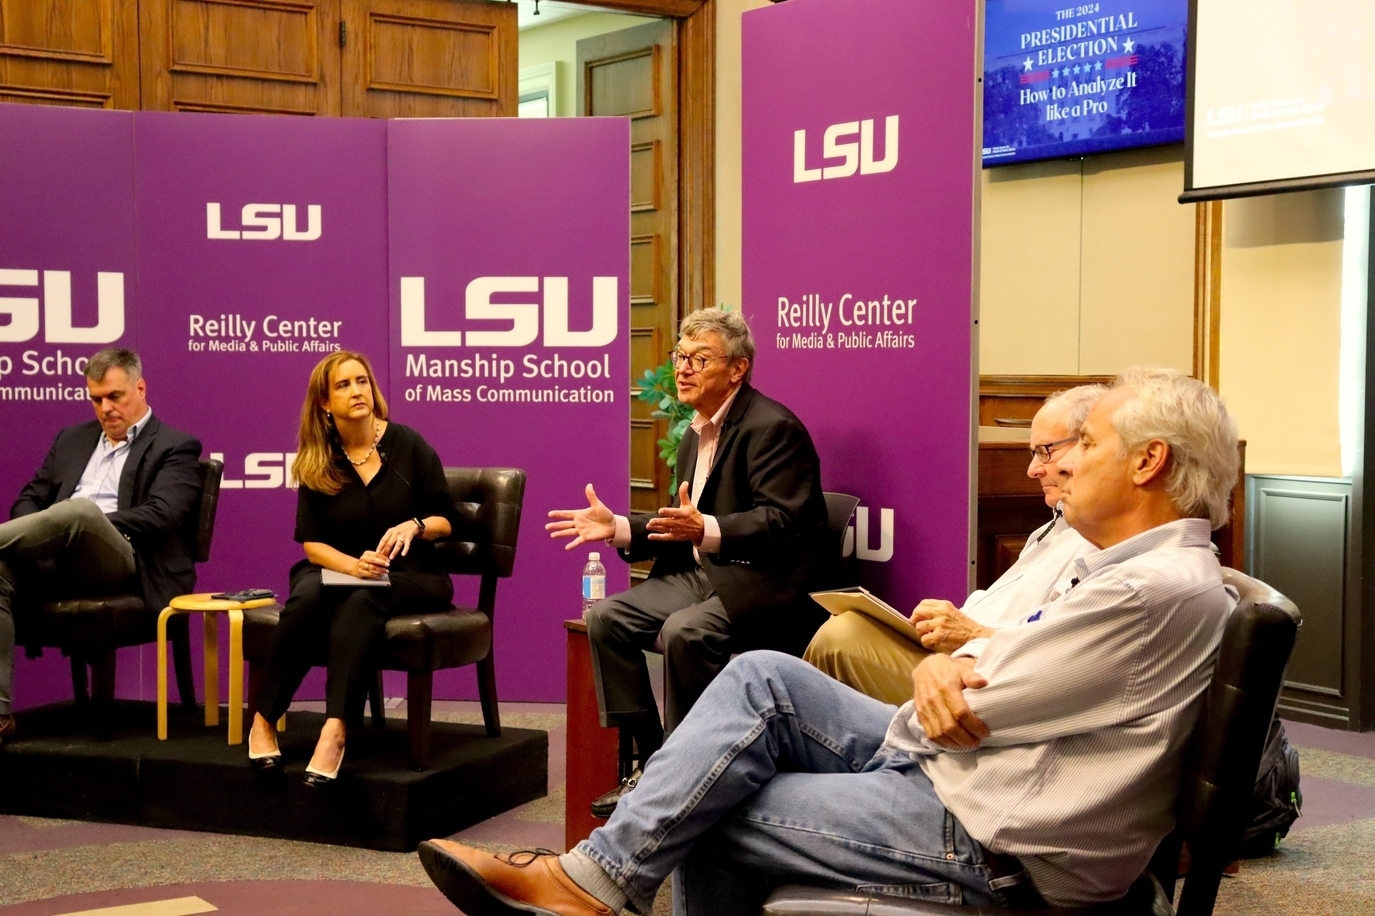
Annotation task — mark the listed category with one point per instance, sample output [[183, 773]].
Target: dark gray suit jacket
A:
[[765, 491], [160, 483]]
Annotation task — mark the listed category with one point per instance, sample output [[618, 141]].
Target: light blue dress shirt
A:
[[100, 481]]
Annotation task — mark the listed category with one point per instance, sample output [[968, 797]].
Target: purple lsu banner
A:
[[68, 279], [860, 149], [234, 252], [509, 337]]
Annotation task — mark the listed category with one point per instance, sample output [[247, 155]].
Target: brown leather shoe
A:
[[7, 727], [485, 884]]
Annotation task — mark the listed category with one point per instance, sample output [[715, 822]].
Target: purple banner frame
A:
[[67, 254], [248, 277], [860, 153], [251, 246], [486, 219]]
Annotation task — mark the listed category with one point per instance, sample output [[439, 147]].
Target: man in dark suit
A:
[[735, 554], [104, 512]]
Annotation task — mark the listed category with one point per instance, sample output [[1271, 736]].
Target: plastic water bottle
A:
[[593, 582]]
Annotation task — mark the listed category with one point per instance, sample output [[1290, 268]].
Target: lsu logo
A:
[[22, 311], [261, 471], [265, 222], [857, 155], [858, 540], [521, 319]]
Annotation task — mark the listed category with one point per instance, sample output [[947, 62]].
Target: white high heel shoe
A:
[[319, 778], [267, 760]]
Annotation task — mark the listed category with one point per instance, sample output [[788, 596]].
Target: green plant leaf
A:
[[660, 388]]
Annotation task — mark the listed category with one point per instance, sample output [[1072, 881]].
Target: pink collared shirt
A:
[[708, 436]]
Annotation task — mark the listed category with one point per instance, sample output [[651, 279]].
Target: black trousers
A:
[[696, 630], [350, 625]]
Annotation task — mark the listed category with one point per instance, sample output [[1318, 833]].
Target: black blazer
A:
[[160, 483], [765, 491]]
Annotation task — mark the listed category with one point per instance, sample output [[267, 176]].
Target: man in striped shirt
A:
[[1040, 766], [877, 661]]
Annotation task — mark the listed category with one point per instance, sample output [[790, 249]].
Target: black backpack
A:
[[1277, 799]]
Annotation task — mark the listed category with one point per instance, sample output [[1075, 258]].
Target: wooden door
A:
[[429, 59], [70, 52], [633, 72], [260, 56]]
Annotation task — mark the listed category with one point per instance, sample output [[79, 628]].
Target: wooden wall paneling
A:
[[241, 56], [1012, 400], [1010, 507], [669, 9], [697, 158], [1002, 470], [1207, 291], [429, 59], [696, 53], [633, 73], [696, 37], [1302, 536], [692, 193], [70, 52]]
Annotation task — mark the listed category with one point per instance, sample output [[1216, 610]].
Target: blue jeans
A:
[[778, 775]]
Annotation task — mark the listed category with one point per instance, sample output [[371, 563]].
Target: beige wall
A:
[[558, 43], [1087, 266], [1281, 329], [1029, 269]]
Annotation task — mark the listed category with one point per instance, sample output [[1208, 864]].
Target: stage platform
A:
[[196, 781]]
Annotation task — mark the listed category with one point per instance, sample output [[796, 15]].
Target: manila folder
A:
[[861, 601]]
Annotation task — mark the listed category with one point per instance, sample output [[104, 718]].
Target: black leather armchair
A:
[[89, 629], [483, 544], [1214, 796], [840, 508]]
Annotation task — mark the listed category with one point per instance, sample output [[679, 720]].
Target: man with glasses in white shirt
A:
[[735, 553], [878, 662], [104, 512]]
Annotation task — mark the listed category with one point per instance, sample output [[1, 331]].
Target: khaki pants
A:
[[866, 655]]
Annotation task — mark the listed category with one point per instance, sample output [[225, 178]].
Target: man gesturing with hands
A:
[[735, 554]]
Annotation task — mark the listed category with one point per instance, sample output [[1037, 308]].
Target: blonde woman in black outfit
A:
[[372, 497]]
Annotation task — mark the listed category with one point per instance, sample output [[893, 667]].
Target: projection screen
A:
[[1281, 96]]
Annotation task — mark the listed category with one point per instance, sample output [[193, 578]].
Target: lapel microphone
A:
[[382, 457]]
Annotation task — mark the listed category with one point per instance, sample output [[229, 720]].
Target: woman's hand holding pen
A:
[[371, 565]]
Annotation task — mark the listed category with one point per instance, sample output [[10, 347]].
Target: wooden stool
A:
[[203, 604]]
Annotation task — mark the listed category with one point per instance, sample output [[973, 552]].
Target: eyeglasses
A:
[[1043, 453], [695, 361]]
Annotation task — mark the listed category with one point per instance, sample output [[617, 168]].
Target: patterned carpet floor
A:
[[63, 868]]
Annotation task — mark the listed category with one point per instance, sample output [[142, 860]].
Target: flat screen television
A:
[[1069, 79]]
